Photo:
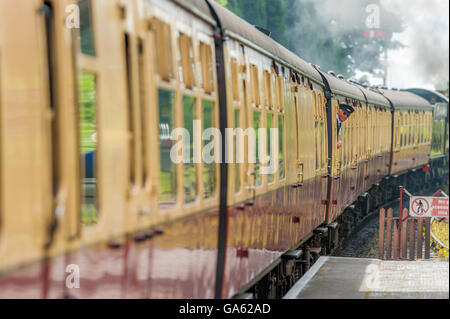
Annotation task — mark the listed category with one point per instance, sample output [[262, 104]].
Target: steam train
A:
[[93, 207]]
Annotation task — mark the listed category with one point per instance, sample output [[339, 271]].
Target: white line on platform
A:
[[295, 291]]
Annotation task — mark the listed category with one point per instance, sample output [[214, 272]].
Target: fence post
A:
[[389, 234], [419, 238], [399, 227], [404, 225], [381, 235], [396, 243], [427, 237], [411, 238]]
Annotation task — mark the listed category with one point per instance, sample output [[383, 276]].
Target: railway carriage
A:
[[438, 164], [87, 181], [363, 157], [412, 130], [271, 88]]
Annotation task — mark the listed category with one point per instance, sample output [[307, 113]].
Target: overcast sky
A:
[[425, 60]]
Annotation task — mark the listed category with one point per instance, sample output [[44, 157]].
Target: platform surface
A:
[[360, 278]]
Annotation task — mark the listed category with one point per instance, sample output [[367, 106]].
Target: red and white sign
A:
[[420, 206], [440, 207], [375, 34]]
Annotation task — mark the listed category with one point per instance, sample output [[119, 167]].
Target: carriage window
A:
[[237, 166], [234, 80], [88, 146], [143, 115], [50, 39], [419, 133], [207, 67], [163, 47], [350, 143], [405, 131], [281, 146], [280, 93], [268, 89], [319, 133], [421, 128], [409, 130], [347, 143], [167, 179], [322, 144], [415, 130], [209, 177], [269, 139], [316, 128], [401, 131], [425, 130], [190, 176], [187, 61], [131, 126], [256, 126], [411, 125], [255, 85], [86, 28]]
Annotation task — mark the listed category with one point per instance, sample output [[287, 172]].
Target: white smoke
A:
[[424, 62]]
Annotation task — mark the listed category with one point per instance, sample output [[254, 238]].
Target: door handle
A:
[[252, 188], [300, 174]]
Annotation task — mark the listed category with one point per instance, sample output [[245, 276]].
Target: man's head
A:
[[344, 112]]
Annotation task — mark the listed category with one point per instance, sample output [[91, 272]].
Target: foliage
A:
[[324, 32], [441, 231], [87, 96], [222, 2]]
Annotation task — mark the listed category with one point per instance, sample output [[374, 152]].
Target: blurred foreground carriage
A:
[[140, 226]]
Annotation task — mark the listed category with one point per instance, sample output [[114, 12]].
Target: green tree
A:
[[268, 14]]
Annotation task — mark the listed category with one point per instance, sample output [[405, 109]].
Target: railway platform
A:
[[358, 278]]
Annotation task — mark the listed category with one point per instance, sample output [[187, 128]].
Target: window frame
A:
[[91, 64]]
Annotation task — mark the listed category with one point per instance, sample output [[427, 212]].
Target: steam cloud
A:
[[424, 61], [426, 57]]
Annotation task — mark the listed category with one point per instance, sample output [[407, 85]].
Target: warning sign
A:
[[440, 207], [420, 206]]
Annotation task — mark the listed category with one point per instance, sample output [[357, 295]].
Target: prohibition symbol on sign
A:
[[420, 206]]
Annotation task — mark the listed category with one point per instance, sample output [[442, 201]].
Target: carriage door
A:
[[364, 141], [299, 163], [59, 59], [338, 162]]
